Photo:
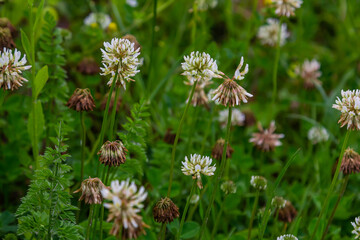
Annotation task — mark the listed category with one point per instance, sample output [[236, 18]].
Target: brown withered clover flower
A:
[[351, 162], [199, 97], [6, 40], [88, 66], [287, 213], [133, 40], [112, 153], [5, 23], [91, 191], [266, 139], [218, 150], [165, 211], [81, 100]]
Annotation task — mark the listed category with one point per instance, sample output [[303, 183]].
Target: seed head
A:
[[112, 153], [120, 55], [81, 100], [11, 68], [266, 140], [258, 182], [198, 164], [356, 226], [268, 34], [318, 134], [228, 187], [288, 213], [165, 211], [286, 7], [349, 106], [287, 237], [88, 66], [350, 162], [218, 150], [278, 202], [91, 191]]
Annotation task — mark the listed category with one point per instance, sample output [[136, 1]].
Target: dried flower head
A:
[[112, 153], [194, 198], [287, 237], [268, 34], [199, 97], [11, 68], [286, 7], [258, 182], [228, 187], [200, 67], [126, 203], [310, 72], [95, 19], [288, 213], [169, 137], [318, 134], [350, 162], [6, 40], [91, 191], [5, 23], [230, 93], [237, 117], [218, 150], [266, 140], [278, 202], [356, 226], [88, 66], [81, 100], [349, 106], [120, 55], [165, 211], [198, 164], [133, 40]]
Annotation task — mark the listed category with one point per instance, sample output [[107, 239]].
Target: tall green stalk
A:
[[253, 213], [177, 138], [186, 209], [83, 143], [219, 175], [276, 64], [152, 43], [113, 115], [218, 218], [87, 237], [332, 186]]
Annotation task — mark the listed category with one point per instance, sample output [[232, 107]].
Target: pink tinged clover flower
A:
[[349, 106]]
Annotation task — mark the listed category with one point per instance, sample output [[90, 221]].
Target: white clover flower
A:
[[356, 226], [132, 3], [241, 75], [102, 19], [120, 55], [278, 202], [349, 106], [126, 203], [11, 68], [228, 187], [196, 165], [268, 34], [286, 7], [287, 237], [237, 117], [318, 134], [258, 182], [203, 5], [194, 198], [310, 72], [200, 67]]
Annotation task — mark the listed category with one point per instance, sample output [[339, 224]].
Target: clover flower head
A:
[[310, 72], [286, 7], [200, 67], [237, 117], [318, 134], [102, 19], [126, 201], [199, 97], [228, 187], [132, 3], [356, 226], [349, 106], [287, 237], [287, 213], [266, 139], [278, 202], [120, 55], [194, 198], [268, 34], [218, 150], [81, 100], [165, 211], [350, 162], [112, 153], [197, 164], [11, 68], [91, 191], [204, 5], [241, 75], [258, 182]]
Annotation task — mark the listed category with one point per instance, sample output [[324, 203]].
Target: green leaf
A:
[[41, 77], [36, 130], [191, 229], [38, 16], [26, 45]]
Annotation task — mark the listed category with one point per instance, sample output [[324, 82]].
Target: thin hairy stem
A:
[[276, 64]]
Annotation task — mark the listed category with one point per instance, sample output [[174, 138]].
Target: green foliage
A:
[[46, 211]]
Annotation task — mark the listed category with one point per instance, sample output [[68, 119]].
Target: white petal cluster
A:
[[356, 226], [120, 55], [199, 67], [126, 202], [349, 106], [258, 182], [286, 7], [197, 165], [310, 72], [318, 134], [132, 3], [241, 75], [203, 5], [194, 199], [278, 202], [287, 237], [237, 117], [268, 34], [11, 68], [102, 19]]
